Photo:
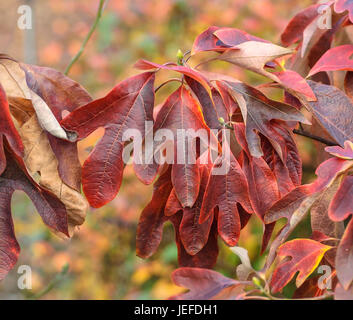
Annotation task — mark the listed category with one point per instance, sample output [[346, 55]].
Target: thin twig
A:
[[204, 62], [53, 283], [187, 53], [313, 137], [84, 43], [164, 83]]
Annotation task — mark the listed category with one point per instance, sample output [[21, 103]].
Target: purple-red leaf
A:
[[147, 65], [205, 284], [206, 257], [295, 28], [224, 191], [181, 113], [334, 111], [193, 235], [219, 39], [150, 226], [50, 208], [338, 58], [344, 257], [293, 81], [128, 106], [7, 130], [258, 111], [341, 206], [345, 153], [343, 5]]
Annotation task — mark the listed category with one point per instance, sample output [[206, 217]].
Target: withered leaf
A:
[[39, 158], [50, 208]]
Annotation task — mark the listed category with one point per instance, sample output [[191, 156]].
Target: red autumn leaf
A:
[[224, 190], [128, 105], [207, 41], [231, 106], [212, 108], [334, 111], [344, 257], [8, 131], [327, 172], [345, 153], [258, 111], [305, 257], [295, 28], [287, 205], [193, 235], [205, 284], [292, 80], [341, 206], [232, 37], [288, 170], [343, 5], [290, 154], [322, 224], [152, 219], [258, 174], [206, 257], [323, 44], [309, 289], [338, 58], [147, 65], [179, 112], [219, 39], [279, 169], [50, 208]]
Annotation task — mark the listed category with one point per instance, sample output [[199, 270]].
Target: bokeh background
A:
[[101, 258]]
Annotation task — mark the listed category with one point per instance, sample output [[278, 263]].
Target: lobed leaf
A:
[[305, 257], [127, 106], [225, 191], [258, 111], [345, 153], [334, 111]]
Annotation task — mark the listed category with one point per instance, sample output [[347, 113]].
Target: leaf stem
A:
[[53, 283], [204, 62], [85, 41], [314, 137], [164, 83]]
